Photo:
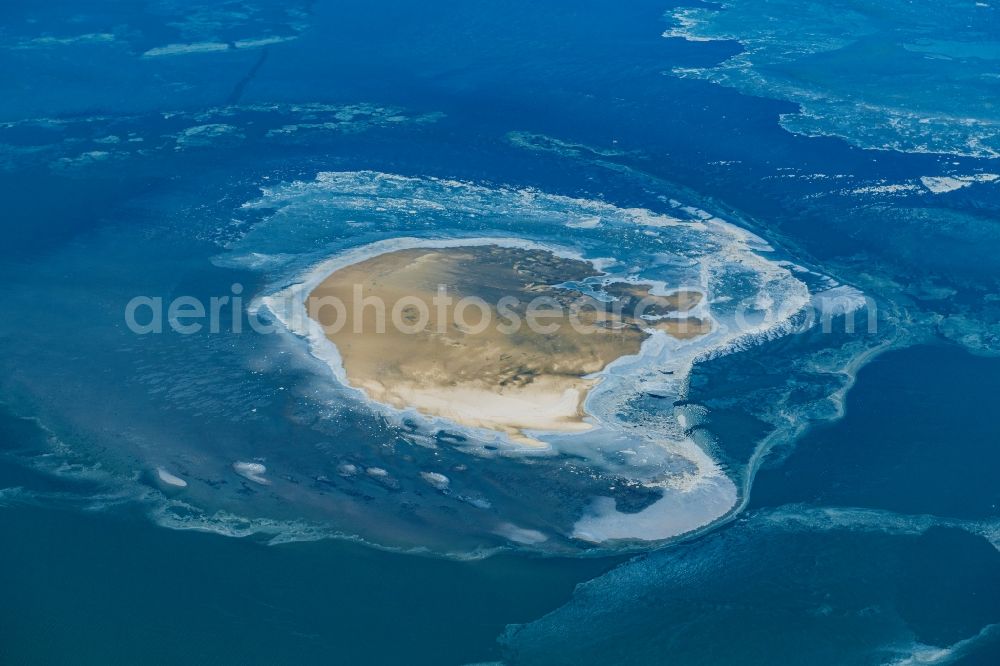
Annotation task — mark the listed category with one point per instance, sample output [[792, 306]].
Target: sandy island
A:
[[487, 368]]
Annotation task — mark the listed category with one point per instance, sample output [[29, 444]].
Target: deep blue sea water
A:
[[858, 547], [840, 486]]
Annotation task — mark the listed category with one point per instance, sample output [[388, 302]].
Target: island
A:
[[502, 338]]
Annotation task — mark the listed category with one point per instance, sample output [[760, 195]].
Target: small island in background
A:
[[492, 337]]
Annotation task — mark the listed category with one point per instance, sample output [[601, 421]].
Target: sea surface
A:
[[814, 482]]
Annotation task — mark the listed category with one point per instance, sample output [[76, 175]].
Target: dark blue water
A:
[[848, 553], [916, 441], [88, 589], [871, 528]]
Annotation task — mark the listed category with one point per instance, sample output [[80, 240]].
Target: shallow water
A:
[[187, 168], [908, 76]]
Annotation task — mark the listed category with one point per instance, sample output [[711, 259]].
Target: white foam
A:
[[875, 520], [893, 188], [252, 472], [177, 515], [49, 41], [711, 497], [687, 20], [874, 113], [838, 301], [520, 535], [439, 481], [694, 489], [591, 222], [166, 477], [186, 49], [942, 184], [204, 135], [260, 42]]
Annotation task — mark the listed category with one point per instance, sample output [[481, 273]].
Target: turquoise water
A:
[[791, 489], [909, 76], [91, 582], [847, 552]]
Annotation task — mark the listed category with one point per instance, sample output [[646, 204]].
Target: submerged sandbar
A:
[[487, 336]]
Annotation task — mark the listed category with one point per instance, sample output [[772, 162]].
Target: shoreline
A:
[[662, 365], [288, 305], [508, 380]]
